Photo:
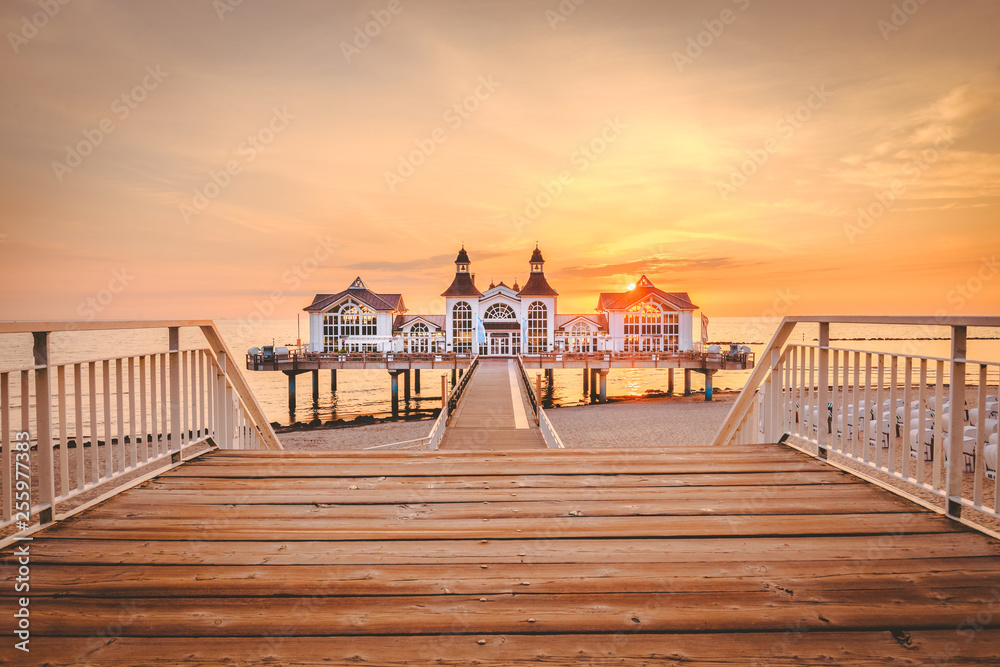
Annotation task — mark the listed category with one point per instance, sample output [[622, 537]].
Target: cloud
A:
[[650, 266], [427, 263]]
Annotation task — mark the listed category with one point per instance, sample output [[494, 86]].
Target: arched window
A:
[[499, 311], [538, 328], [461, 327], [419, 338], [582, 338], [648, 328], [347, 319]]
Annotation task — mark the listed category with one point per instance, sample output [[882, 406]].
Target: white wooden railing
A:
[[449, 406], [886, 416], [70, 428], [549, 434]]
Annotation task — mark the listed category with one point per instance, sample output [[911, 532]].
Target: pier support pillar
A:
[[687, 381], [593, 385], [315, 379], [406, 386], [416, 380], [586, 381], [454, 377], [708, 385], [549, 376], [333, 380], [670, 381], [394, 382], [291, 390], [603, 393]]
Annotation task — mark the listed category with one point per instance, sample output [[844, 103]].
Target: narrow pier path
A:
[[494, 415]]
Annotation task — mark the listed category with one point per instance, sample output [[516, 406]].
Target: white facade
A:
[[502, 321]]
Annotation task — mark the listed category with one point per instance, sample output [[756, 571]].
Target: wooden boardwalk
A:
[[725, 556], [494, 414]]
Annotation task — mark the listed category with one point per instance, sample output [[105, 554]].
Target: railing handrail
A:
[[195, 395], [904, 320], [31, 326], [805, 395], [458, 391]]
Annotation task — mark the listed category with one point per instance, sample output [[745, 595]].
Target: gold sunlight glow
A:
[[803, 151]]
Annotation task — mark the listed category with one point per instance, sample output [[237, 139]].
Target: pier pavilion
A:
[[503, 320], [641, 327]]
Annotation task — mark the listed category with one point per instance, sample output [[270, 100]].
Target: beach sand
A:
[[623, 423]]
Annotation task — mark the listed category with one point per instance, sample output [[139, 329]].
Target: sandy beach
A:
[[623, 423]]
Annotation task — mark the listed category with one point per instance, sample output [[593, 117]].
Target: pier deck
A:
[[729, 555], [493, 414]]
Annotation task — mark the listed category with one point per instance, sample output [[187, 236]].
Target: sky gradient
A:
[[200, 159]]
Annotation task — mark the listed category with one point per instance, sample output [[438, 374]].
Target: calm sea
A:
[[368, 392]]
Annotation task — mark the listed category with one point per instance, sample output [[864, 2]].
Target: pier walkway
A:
[[494, 414], [739, 555]]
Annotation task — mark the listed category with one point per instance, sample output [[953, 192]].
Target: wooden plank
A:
[[497, 481], [853, 549], [474, 468], [265, 495], [425, 509], [874, 648], [802, 578], [506, 528], [757, 611]]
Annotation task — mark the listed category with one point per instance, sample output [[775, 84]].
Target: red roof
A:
[[623, 300], [390, 302], [462, 285], [598, 320], [434, 320], [537, 285]]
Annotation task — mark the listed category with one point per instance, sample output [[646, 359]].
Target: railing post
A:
[[43, 426], [956, 434], [444, 393], [173, 337], [223, 430], [822, 416]]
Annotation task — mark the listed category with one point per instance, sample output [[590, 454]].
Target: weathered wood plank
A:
[[424, 509], [314, 614], [802, 578], [900, 523], [794, 646], [500, 481], [857, 551], [265, 494]]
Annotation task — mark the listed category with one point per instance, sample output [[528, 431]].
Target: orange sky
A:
[[724, 148]]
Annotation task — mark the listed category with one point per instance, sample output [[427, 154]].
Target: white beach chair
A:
[[990, 457], [873, 427]]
